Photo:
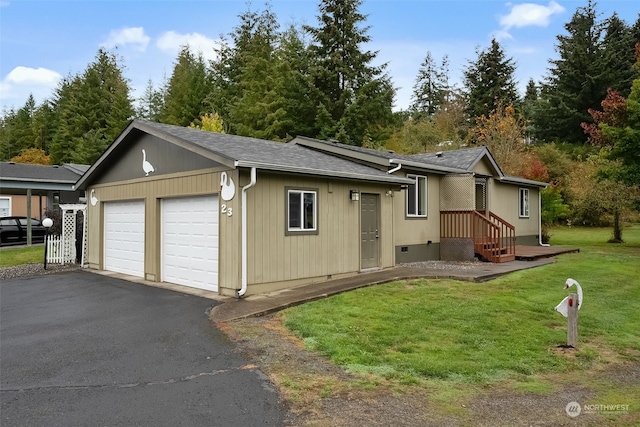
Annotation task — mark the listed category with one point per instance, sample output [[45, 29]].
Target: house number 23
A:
[[226, 210]]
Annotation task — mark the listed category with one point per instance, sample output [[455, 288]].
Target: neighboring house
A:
[[240, 216], [45, 186], [454, 194]]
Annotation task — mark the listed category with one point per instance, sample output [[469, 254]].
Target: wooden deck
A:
[[528, 253]]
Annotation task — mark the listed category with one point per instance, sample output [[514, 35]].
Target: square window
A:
[[301, 211], [524, 203], [417, 196]]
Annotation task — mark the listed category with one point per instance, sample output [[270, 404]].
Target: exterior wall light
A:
[[354, 195]]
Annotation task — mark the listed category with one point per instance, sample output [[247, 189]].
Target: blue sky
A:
[[41, 41]]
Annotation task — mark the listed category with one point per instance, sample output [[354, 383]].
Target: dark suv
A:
[[13, 230]]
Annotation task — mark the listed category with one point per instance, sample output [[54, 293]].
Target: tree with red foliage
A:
[[614, 113]]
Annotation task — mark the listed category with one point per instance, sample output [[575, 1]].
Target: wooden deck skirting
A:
[[493, 237]]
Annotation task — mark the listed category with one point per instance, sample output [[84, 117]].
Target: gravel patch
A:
[[444, 265], [34, 269]]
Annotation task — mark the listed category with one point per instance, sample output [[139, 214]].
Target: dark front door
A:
[[370, 233]]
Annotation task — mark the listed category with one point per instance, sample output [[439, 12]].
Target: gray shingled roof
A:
[[10, 171], [456, 161], [463, 159], [269, 155]]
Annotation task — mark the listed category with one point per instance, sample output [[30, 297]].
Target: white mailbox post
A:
[[569, 307]]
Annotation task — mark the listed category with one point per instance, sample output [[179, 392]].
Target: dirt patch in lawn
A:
[[319, 393]]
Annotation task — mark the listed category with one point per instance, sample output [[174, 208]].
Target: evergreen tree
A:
[[188, 87], [431, 87], [294, 60], [42, 126], [151, 103], [618, 55], [259, 108], [63, 144], [8, 146], [227, 68], [354, 98], [576, 81], [489, 81], [91, 109]]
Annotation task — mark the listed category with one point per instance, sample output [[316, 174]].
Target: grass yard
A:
[[22, 255], [446, 333]]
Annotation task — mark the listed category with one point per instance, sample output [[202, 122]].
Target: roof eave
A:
[[522, 181], [390, 179], [441, 170]]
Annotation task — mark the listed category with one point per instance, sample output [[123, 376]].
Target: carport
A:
[[54, 184]]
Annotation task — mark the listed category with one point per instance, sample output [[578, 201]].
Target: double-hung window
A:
[[523, 203], [302, 211], [417, 196]]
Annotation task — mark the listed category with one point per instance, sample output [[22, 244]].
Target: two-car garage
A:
[[189, 242]]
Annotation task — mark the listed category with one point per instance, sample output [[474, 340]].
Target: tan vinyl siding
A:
[[152, 189], [416, 231], [278, 258], [484, 167], [504, 199]]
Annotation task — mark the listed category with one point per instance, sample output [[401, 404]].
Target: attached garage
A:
[[190, 241], [124, 237], [222, 213]]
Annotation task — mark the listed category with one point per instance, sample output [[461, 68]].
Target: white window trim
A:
[[301, 229], [523, 209], [10, 200], [417, 189]]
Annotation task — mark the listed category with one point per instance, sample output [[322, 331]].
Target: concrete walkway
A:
[[259, 305]]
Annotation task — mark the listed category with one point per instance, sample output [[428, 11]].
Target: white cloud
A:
[[131, 36], [530, 14], [22, 81], [171, 42], [32, 76]]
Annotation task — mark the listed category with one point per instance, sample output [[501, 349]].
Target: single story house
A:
[[232, 214], [453, 194], [241, 216]]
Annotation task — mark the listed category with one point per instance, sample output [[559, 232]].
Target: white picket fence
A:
[[55, 251]]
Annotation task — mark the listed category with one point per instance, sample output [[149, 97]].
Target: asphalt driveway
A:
[[80, 349]]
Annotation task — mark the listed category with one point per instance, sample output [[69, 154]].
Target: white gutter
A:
[[540, 219], [396, 169], [243, 289]]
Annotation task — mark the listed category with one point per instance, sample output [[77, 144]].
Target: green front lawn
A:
[[23, 255], [483, 333]]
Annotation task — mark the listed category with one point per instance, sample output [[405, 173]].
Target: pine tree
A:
[[576, 81], [259, 109], [91, 110], [8, 146], [151, 103], [489, 81], [188, 87], [618, 55], [354, 98], [431, 87], [294, 60]]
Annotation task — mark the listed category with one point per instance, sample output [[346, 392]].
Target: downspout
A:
[[243, 289], [540, 219]]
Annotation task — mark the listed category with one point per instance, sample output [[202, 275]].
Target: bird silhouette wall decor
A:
[[146, 166], [227, 187]]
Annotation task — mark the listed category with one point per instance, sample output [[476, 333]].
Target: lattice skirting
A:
[[458, 249]]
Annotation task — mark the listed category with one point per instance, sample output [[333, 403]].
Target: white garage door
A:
[[190, 242], [124, 237]]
